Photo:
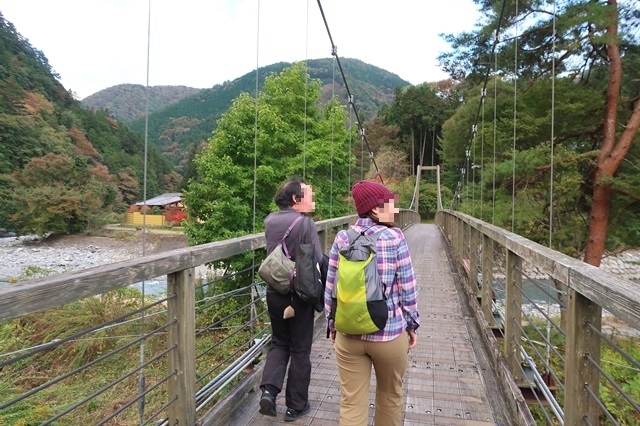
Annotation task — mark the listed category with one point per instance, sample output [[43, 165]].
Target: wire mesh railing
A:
[[568, 331], [85, 347]]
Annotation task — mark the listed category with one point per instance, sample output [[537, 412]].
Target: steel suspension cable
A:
[[333, 96], [484, 98], [473, 173], [255, 165], [350, 139], [334, 53], [474, 127], [553, 104], [495, 135], [515, 123], [306, 84], [141, 376], [553, 108], [255, 121]]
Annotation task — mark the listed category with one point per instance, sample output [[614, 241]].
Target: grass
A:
[[59, 323]]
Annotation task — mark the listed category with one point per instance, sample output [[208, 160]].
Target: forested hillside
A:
[[62, 167], [127, 102], [181, 127]]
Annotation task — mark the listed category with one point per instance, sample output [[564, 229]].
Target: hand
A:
[[331, 332], [413, 339]]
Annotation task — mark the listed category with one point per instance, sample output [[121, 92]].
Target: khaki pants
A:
[[389, 360]]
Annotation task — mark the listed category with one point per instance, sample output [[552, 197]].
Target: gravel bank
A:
[[26, 258]]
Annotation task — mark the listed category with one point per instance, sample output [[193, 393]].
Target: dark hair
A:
[[284, 196]]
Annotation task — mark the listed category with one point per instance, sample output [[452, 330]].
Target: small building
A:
[[171, 207]]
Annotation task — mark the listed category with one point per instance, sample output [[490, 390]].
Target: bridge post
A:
[[513, 315], [181, 335], [473, 261], [458, 229], [487, 279], [322, 236], [580, 373]]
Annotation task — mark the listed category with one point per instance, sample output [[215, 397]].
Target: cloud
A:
[[199, 43]]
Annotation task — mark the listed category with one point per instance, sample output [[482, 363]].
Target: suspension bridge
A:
[[481, 359], [489, 352]]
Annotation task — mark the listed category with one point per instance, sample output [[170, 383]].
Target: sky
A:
[[96, 44]]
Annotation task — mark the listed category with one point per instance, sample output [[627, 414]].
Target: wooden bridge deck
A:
[[448, 379]]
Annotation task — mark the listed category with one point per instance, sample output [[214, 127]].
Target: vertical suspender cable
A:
[[473, 173], [553, 105], [306, 83], [141, 379], [333, 96], [484, 97], [334, 52], [361, 155], [495, 133], [351, 161], [551, 172], [255, 121], [515, 113], [463, 170], [467, 170], [255, 167]]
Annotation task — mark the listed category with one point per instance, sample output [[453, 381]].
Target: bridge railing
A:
[[176, 352], [567, 330]]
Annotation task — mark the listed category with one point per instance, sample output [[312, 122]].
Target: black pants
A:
[[291, 344]]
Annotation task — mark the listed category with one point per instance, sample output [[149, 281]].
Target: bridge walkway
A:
[[448, 379]]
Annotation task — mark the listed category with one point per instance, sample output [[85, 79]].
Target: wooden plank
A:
[[617, 295]]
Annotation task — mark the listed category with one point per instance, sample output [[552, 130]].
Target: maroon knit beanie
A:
[[368, 195]]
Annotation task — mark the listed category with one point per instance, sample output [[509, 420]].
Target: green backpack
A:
[[359, 300]]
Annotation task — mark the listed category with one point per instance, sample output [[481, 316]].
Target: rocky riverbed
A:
[[28, 257]]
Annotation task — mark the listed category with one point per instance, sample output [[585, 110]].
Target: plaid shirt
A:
[[395, 269]]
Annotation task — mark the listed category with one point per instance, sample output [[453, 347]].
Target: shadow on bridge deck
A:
[[448, 379]]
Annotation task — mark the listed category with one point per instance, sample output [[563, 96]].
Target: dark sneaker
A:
[[292, 414], [268, 403]]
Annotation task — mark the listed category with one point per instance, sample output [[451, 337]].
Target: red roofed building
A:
[[170, 204]]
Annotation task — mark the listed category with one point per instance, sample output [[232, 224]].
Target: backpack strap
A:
[[357, 234], [286, 234]]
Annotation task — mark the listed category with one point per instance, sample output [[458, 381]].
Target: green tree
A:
[[594, 42], [296, 136], [419, 112]]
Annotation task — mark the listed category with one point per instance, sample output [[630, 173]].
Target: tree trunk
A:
[[612, 152]]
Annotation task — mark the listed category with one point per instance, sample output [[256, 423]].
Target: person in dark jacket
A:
[[291, 337]]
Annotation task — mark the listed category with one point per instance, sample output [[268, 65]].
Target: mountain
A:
[[127, 102], [61, 165], [191, 120]]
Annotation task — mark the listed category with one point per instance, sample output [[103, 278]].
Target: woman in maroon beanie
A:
[[386, 350]]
